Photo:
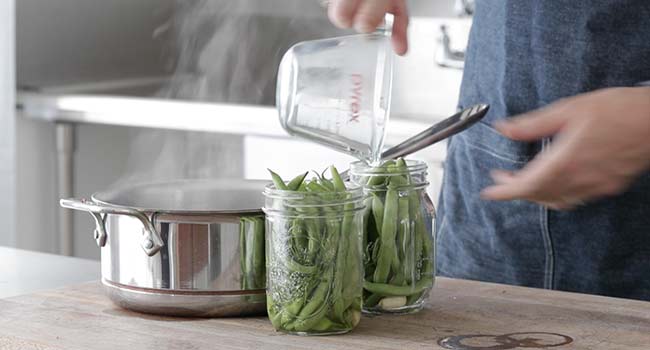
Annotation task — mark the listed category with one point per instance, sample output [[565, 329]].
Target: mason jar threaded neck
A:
[[415, 170], [284, 202]]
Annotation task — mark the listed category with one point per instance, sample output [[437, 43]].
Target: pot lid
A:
[[189, 196]]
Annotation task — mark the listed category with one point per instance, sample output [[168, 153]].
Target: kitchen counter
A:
[[460, 315], [23, 271]]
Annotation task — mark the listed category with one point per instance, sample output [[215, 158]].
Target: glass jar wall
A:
[[314, 264], [398, 241]]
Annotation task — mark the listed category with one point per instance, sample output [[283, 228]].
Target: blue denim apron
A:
[[522, 55]]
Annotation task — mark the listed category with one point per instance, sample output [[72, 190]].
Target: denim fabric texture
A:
[[522, 55]]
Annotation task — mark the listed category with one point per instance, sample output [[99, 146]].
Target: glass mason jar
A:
[[314, 260], [398, 240]]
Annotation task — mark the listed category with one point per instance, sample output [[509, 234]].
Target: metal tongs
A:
[[438, 132]]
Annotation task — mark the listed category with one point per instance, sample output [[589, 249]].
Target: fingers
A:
[[534, 125], [366, 15], [548, 181], [370, 15], [556, 179], [342, 12], [538, 181], [400, 27], [508, 190]]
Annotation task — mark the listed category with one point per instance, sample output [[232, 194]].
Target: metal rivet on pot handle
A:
[[151, 242], [100, 228]]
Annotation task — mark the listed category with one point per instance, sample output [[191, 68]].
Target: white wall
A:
[[35, 185], [431, 8], [423, 89], [7, 124]]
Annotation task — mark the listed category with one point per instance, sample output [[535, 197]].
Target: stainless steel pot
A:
[[185, 248]]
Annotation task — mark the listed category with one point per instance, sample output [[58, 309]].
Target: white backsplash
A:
[[422, 89]]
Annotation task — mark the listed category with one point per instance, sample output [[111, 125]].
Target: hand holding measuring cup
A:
[[366, 15]]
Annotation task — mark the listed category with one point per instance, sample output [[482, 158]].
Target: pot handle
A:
[[151, 243]]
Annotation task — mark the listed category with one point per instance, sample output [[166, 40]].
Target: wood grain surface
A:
[[475, 315]]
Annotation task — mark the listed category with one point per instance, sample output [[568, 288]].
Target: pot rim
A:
[[100, 197]]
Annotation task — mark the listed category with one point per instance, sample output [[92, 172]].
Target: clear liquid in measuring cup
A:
[[337, 92]]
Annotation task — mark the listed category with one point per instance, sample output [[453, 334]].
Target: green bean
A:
[[339, 282], [377, 212], [252, 262], [313, 236], [388, 232], [427, 245], [242, 254], [342, 256], [414, 298], [314, 186], [336, 179], [324, 324], [274, 316], [313, 226], [316, 307], [277, 181], [367, 217], [335, 234], [306, 323], [352, 268], [418, 232], [396, 291], [296, 182], [375, 251], [327, 184], [351, 316], [404, 238], [397, 182], [398, 278], [299, 238], [396, 263], [259, 262], [403, 168], [292, 310], [371, 300], [403, 225], [293, 265], [376, 181]]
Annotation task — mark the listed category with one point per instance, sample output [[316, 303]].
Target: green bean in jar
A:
[[398, 239], [314, 257]]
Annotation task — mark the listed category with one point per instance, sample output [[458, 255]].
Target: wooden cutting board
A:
[[460, 315]]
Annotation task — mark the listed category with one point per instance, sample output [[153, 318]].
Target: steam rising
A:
[[229, 51], [223, 51]]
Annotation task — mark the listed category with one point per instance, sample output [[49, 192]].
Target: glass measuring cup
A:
[[337, 91]]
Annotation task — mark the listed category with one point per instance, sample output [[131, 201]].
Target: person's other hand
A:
[[366, 15], [601, 144]]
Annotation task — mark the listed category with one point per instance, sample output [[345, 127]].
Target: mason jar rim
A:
[[356, 195], [361, 168]]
